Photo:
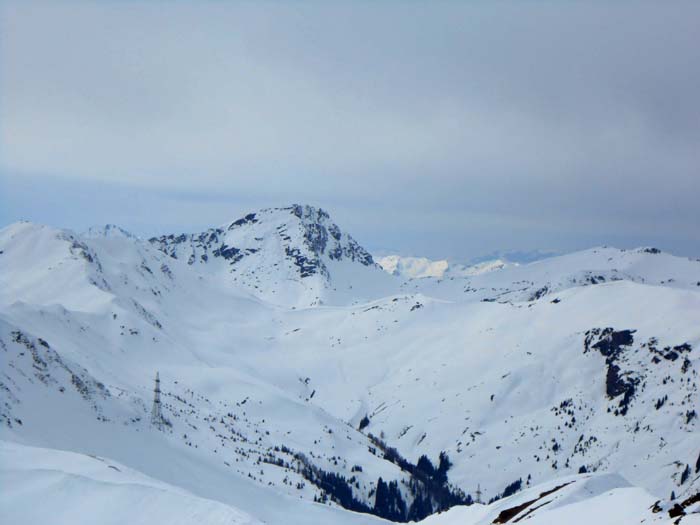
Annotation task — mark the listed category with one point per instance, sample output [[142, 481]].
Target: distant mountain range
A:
[[420, 267]]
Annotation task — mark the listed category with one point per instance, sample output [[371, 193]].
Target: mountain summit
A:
[[294, 256]]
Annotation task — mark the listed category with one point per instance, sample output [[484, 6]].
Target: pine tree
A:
[[443, 467], [425, 466], [381, 498]]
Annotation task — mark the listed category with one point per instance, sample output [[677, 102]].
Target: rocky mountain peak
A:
[[276, 247], [306, 234], [108, 230]]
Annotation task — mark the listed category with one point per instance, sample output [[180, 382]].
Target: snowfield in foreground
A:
[[302, 383], [51, 486]]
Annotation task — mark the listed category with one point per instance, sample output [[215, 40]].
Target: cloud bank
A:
[[441, 129]]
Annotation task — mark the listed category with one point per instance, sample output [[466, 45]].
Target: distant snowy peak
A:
[[413, 267], [515, 256], [108, 230], [278, 254], [486, 267], [306, 236], [421, 267]]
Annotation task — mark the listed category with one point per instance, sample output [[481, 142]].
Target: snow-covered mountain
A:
[[413, 267], [515, 256], [301, 383], [421, 267], [289, 256]]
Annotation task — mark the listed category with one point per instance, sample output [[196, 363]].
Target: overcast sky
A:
[[440, 129]]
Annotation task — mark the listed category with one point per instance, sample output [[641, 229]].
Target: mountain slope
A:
[[290, 256], [72, 486], [602, 499], [529, 373]]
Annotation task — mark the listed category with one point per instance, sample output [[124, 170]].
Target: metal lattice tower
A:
[[478, 494], [157, 419]]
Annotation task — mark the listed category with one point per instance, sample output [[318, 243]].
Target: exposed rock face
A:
[[624, 376], [306, 234], [273, 250]]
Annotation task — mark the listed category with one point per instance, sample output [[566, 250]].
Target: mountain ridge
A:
[[529, 373]]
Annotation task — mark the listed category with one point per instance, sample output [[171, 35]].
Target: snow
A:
[[413, 267], [71, 487], [489, 366], [421, 267], [605, 499]]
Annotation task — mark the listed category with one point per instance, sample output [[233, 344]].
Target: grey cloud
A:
[[432, 127]]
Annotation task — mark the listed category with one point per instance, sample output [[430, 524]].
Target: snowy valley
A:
[[302, 382]]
